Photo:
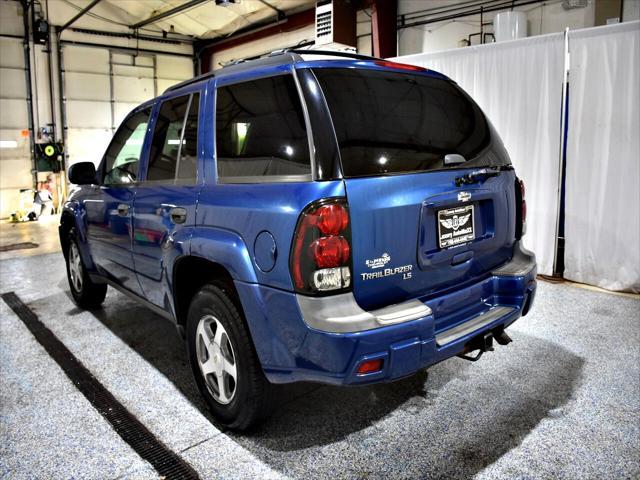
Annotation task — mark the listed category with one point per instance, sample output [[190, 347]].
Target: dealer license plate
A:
[[455, 226]]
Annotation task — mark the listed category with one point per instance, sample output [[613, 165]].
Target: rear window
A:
[[390, 122]]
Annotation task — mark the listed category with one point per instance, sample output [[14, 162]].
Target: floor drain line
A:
[[167, 463], [18, 246]]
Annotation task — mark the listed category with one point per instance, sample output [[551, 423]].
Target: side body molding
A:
[[226, 248]]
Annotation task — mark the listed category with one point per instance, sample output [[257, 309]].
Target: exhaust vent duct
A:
[[335, 25]]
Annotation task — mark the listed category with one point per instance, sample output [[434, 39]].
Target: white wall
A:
[[630, 10], [547, 17]]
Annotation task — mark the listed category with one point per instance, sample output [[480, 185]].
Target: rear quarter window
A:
[[391, 122], [261, 133]]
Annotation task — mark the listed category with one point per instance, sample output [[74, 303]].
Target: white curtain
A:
[[518, 84], [602, 225]]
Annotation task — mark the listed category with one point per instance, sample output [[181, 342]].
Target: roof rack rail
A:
[[334, 53], [204, 76]]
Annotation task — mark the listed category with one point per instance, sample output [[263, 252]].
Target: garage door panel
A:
[[16, 173], [13, 84], [81, 59], [121, 110], [126, 90], [164, 83], [88, 144], [174, 67], [12, 53], [128, 59], [87, 86], [83, 114], [20, 151], [128, 82], [13, 114], [131, 71]]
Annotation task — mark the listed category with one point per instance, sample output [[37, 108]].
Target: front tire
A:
[[223, 360], [85, 293]]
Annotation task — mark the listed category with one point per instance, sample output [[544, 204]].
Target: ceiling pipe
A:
[[168, 13], [281, 14], [429, 12], [507, 4], [78, 15]]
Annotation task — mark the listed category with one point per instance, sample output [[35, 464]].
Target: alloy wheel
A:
[[216, 359], [75, 268]]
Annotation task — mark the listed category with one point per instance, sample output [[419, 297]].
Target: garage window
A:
[[122, 160], [174, 149], [261, 135]]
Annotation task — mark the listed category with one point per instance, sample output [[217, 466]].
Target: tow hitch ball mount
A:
[[484, 343]]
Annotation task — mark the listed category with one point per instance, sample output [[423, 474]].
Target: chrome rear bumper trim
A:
[[521, 264], [342, 314], [476, 323]]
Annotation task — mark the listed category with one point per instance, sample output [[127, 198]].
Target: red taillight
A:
[[370, 366], [399, 66], [332, 219], [328, 252], [321, 248], [524, 204]]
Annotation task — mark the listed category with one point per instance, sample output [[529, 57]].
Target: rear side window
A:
[[261, 133], [391, 122], [174, 149]]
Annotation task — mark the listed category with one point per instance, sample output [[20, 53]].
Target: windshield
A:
[[391, 122]]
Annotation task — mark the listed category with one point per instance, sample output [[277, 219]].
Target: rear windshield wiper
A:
[[478, 175]]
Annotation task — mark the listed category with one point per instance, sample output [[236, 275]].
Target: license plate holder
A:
[[456, 226]]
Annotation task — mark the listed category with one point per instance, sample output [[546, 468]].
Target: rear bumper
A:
[[326, 341]]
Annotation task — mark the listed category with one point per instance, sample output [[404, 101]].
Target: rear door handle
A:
[[123, 209], [178, 215]]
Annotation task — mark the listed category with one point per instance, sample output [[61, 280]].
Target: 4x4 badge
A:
[[464, 196]]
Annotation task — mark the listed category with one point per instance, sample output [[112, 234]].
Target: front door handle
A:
[[178, 215], [123, 209]]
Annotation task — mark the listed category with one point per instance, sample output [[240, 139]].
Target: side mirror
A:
[[82, 173]]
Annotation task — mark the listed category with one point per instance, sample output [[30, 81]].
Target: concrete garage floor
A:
[[562, 401]]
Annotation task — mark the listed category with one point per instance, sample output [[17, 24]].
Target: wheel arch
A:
[[67, 222], [186, 283]]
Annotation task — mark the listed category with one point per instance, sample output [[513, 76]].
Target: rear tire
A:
[[85, 293], [223, 360]]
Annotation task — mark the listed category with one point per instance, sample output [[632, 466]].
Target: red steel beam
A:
[[384, 28]]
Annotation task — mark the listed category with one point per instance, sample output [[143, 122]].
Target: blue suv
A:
[[307, 216]]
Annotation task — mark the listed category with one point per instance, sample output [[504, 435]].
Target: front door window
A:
[[122, 160]]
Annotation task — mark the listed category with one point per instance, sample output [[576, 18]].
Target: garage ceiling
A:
[[205, 20]]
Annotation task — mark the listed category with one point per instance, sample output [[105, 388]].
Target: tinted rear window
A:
[[389, 122], [261, 131]]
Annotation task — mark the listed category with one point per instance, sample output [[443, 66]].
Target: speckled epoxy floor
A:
[[562, 401]]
